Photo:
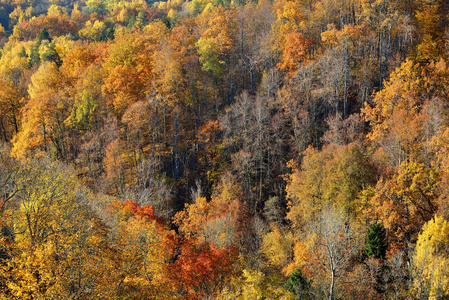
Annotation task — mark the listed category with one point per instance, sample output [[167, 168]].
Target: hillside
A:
[[284, 149]]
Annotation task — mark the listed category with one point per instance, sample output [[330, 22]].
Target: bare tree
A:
[[397, 275], [157, 191], [334, 242]]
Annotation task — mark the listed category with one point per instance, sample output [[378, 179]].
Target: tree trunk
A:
[[331, 289]]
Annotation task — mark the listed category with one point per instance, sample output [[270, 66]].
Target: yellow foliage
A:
[[277, 247], [93, 31], [440, 145], [45, 80], [215, 221], [56, 10], [56, 248], [39, 116], [301, 254], [145, 250], [2, 31], [404, 201], [171, 13], [403, 109], [336, 174], [253, 285], [11, 63], [219, 25], [431, 260], [63, 45]]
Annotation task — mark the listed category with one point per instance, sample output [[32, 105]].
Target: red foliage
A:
[[131, 208], [200, 270]]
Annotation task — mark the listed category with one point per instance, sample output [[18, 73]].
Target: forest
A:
[[224, 149]]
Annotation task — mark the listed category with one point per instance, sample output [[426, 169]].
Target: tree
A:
[[56, 10], [212, 238], [113, 165], [50, 54], [76, 61], [439, 146], [43, 27], [56, 246], [217, 221], [404, 202], [77, 17], [296, 51], [146, 247], [128, 66], [208, 52], [93, 31], [298, 285], [403, 116], [431, 17], [377, 241], [43, 115], [334, 175], [277, 247], [217, 28], [252, 284], [253, 39], [431, 280], [200, 270], [334, 241], [11, 98], [82, 115], [96, 6], [14, 64], [251, 143], [342, 53], [2, 31], [43, 35]]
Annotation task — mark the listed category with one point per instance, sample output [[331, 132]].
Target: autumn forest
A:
[[224, 149]]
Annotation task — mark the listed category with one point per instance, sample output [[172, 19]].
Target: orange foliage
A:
[[404, 202], [217, 221], [56, 26], [146, 211], [295, 51], [76, 61]]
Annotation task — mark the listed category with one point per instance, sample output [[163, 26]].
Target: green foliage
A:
[[110, 33], [43, 35], [50, 54], [376, 241], [82, 115], [22, 52], [96, 6], [298, 285], [35, 57], [196, 8]]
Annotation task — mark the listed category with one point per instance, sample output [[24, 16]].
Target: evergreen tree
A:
[[43, 35], [377, 242]]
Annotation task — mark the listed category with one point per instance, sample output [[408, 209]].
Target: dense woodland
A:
[[216, 149]]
